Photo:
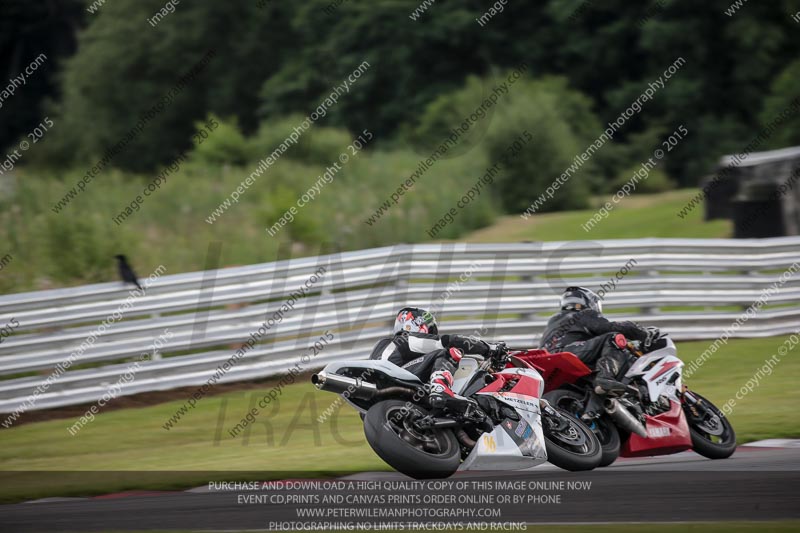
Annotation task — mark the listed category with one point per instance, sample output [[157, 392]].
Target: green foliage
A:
[[454, 110], [784, 94], [273, 64], [322, 146], [271, 133], [225, 144], [124, 68], [317, 145], [76, 245], [556, 118], [612, 55], [46, 31]]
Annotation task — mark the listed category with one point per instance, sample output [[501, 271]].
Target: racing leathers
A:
[[597, 341], [430, 357]]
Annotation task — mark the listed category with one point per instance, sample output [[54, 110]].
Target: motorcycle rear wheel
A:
[[390, 431]]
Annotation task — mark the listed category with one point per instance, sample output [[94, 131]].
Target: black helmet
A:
[[579, 298], [415, 320]]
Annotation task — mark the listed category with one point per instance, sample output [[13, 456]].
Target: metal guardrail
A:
[[692, 288]]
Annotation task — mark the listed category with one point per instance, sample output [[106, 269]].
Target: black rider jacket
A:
[[570, 326], [404, 347]]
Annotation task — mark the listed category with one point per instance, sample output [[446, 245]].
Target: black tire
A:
[[575, 448], [434, 454], [604, 428], [706, 432]]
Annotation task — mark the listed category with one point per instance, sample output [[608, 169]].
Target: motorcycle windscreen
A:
[[464, 373]]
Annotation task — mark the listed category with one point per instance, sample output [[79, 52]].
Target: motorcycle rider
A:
[[581, 328], [416, 346]]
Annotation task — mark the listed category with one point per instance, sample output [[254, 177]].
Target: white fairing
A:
[[659, 376], [512, 445]]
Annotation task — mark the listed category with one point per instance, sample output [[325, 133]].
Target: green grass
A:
[[289, 441], [770, 410], [652, 215]]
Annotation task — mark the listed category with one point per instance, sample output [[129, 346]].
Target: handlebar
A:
[[500, 355]]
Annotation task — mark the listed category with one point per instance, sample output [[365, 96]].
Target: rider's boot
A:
[[441, 393], [606, 381], [441, 383], [594, 406]]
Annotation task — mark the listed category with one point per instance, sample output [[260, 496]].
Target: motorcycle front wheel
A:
[[570, 444], [711, 431], [603, 427], [391, 431]]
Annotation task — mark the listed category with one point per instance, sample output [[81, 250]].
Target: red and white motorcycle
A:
[[509, 427], [657, 415]]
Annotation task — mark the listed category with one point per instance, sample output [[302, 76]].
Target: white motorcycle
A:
[[657, 415], [508, 427]]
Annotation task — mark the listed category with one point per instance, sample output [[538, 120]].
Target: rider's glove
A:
[[496, 349], [498, 354], [653, 334]]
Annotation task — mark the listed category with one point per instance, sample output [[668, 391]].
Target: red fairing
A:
[[529, 387], [524, 385], [556, 368], [497, 384], [667, 433]]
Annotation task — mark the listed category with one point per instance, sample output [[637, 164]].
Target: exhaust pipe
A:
[[624, 419], [464, 439], [354, 387]]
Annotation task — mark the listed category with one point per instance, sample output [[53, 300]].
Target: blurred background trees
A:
[[284, 57], [586, 61]]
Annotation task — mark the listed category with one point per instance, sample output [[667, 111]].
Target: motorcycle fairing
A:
[[667, 433], [512, 444], [661, 369], [557, 368], [463, 375]]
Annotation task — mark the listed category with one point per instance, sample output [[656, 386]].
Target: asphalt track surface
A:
[[757, 483]]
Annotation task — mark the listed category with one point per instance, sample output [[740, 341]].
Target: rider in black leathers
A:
[[580, 328]]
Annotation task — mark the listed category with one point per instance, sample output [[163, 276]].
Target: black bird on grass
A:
[[126, 272]]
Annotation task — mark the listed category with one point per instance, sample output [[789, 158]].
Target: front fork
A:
[[693, 404], [553, 418]]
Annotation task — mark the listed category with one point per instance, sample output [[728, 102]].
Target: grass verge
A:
[[647, 215]]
